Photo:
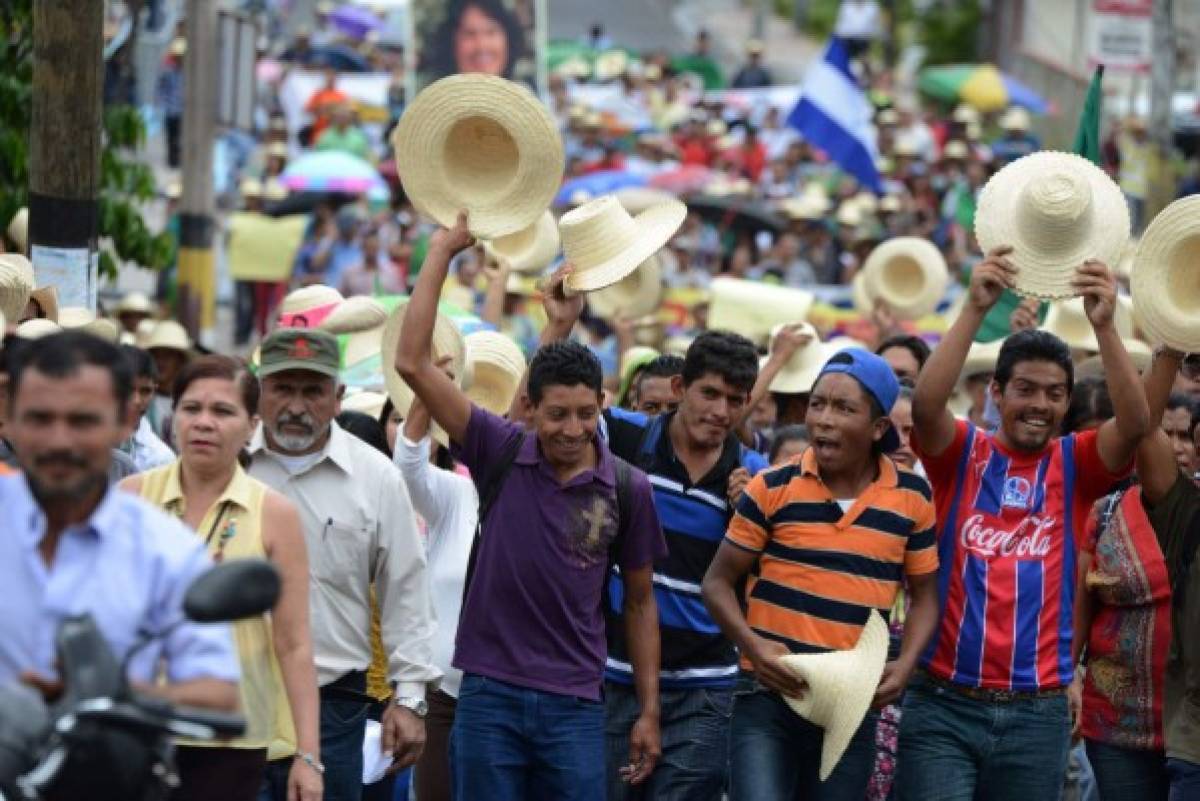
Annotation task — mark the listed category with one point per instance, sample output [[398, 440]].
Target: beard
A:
[[78, 488], [297, 443]]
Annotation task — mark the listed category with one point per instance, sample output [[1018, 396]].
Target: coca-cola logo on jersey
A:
[[1031, 539]]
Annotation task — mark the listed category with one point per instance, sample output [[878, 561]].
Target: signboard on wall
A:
[[1122, 37], [497, 37]]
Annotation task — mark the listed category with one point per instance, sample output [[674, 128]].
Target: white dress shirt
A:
[[360, 529], [146, 448], [449, 505]]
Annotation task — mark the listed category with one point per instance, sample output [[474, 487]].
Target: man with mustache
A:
[[989, 706], [361, 531]]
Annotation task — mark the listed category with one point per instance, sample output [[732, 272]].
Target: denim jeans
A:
[[1185, 780], [775, 755], [1080, 781], [511, 743], [694, 727], [343, 726], [1128, 774], [954, 748]]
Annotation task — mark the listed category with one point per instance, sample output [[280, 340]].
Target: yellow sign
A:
[[262, 248]]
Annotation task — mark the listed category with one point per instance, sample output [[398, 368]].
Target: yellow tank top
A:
[[232, 528]]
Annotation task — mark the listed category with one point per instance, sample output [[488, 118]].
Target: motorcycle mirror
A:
[[232, 591]]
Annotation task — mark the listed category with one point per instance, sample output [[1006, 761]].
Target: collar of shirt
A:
[[336, 450], [665, 457], [888, 476], [605, 471], [237, 491], [104, 520]]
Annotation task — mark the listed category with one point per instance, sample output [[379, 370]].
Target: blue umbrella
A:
[[340, 57], [596, 184]]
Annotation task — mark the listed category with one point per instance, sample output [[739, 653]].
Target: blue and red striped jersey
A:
[[1010, 525]]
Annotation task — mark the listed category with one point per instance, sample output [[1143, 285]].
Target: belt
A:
[[349, 687], [991, 696]]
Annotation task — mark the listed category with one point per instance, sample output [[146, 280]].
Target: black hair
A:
[[565, 364], [1195, 421], [666, 366], [918, 347], [1033, 345], [441, 60], [140, 362], [441, 456], [366, 428], [63, 354], [1180, 400], [729, 355], [785, 435], [1089, 401]]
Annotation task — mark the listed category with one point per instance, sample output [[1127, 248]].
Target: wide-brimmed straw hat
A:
[[1166, 276], [16, 284], [1015, 119], [368, 402], [166, 334], [1068, 321], [81, 319], [802, 369], [840, 686], [529, 250], [908, 273], [480, 143], [359, 313], [447, 341], [135, 303], [753, 309], [308, 306], [981, 358], [37, 328], [496, 365], [46, 297], [1056, 210], [636, 295], [1141, 354], [18, 229], [636, 199], [605, 244]]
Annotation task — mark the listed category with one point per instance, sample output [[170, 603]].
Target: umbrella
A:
[[596, 184], [340, 57], [736, 213], [981, 85], [708, 70], [305, 202], [331, 171], [685, 179], [355, 21]]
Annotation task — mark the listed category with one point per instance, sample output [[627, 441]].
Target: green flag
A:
[[1087, 135]]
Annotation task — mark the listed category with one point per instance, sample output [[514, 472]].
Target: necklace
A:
[[227, 533]]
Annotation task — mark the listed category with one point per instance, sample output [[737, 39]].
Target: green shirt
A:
[[351, 140], [1176, 522]]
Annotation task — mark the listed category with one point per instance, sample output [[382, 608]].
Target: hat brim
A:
[[655, 227], [306, 365], [510, 150], [636, 295], [447, 341], [909, 274], [801, 371], [47, 300], [752, 308], [1041, 274], [530, 250], [1164, 287]]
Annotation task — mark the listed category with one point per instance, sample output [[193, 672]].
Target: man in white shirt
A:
[[360, 530], [144, 447]]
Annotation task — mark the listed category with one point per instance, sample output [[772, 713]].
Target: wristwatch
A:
[[417, 706]]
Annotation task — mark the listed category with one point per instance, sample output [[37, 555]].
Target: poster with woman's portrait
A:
[[497, 37]]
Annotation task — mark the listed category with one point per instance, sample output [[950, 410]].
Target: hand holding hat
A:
[[991, 277], [453, 240], [562, 307], [1096, 283]]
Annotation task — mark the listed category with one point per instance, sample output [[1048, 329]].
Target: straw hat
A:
[[496, 365], [840, 688], [359, 313], [636, 199], [716, 128], [307, 307], [529, 250], [908, 273], [981, 358], [77, 317], [636, 295], [278, 150], [610, 64], [904, 147], [16, 284], [803, 208], [966, 114], [605, 244], [889, 204], [1015, 119], [37, 328], [889, 116], [1056, 210], [362, 345], [801, 371], [863, 302], [1068, 321], [447, 341], [18, 229], [1139, 352], [250, 187], [368, 402], [867, 202], [480, 143], [135, 303], [166, 334], [141, 334], [1166, 276], [955, 150], [753, 309], [974, 131], [849, 215]]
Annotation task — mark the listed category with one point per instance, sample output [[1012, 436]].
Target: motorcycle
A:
[[102, 739]]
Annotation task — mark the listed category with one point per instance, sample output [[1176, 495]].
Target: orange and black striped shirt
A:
[[822, 570]]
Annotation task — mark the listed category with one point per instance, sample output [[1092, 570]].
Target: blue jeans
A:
[[950, 745], [775, 755], [694, 728], [1128, 774], [510, 743], [343, 726], [1185, 780]]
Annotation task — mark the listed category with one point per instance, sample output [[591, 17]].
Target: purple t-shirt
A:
[[532, 616]]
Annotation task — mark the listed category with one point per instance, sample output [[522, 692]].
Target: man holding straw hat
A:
[[558, 511], [989, 707]]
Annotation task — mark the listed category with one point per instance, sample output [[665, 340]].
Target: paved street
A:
[[638, 24]]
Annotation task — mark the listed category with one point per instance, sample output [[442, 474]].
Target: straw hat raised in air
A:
[[480, 143], [496, 365], [753, 309], [839, 688], [908, 273], [802, 369], [359, 313], [1166, 276], [636, 295], [1056, 210], [447, 341], [605, 244], [529, 250]]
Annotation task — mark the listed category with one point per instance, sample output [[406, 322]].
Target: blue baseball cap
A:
[[876, 377]]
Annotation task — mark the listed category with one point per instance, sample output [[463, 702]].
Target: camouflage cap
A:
[[299, 349]]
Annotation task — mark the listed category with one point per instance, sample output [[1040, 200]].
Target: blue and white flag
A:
[[834, 115]]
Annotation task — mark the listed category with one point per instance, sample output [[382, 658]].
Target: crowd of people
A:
[[538, 543]]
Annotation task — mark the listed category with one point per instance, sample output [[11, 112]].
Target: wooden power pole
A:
[[65, 138], [197, 267]]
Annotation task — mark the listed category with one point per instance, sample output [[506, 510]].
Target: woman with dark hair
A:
[[215, 411], [477, 36]]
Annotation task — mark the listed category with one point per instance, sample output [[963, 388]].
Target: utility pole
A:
[[197, 266], [1162, 85], [761, 10], [65, 136]]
